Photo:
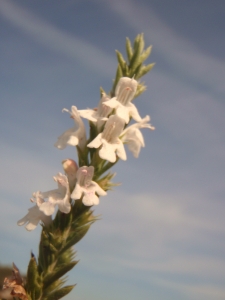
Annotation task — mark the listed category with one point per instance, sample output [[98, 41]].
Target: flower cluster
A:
[[110, 130], [79, 181]]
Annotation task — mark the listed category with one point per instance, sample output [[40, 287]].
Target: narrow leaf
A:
[[145, 54], [78, 235], [119, 74], [145, 69], [121, 60], [138, 47], [55, 275], [33, 285], [129, 49], [58, 294]]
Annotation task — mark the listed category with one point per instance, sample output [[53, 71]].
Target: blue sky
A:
[[162, 232]]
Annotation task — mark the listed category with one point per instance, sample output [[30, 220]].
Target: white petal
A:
[[124, 113], [134, 147], [112, 103], [74, 136], [134, 113], [23, 221], [64, 206], [134, 134], [89, 114], [96, 142], [139, 137], [107, 151], [53, 194], [77, 192], [73, 140], [90, 199], [47, 208], [120, 151], [63, 138], [32, 224], [98, 189]]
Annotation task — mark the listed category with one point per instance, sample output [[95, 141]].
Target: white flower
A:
[[109, 140], [86, 187], [133, 137], [60, 197], [75, 136], [124, 93], [98, 114], [35, 215]]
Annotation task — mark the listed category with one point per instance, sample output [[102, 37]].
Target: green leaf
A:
[[140, 89], [121, 61], [102, 91], [129, 49], [145, 54], [136, 71], [119, 74], [76, 237], [138, 48], [59, 272], [33, 285], [58, 294], [145, 69]]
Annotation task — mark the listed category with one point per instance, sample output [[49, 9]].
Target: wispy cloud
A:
[[166, 241], [181, 54], [56, 39], [194, 291], [162, 239]]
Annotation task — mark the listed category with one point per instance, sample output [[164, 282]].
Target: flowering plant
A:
[[84, 182]]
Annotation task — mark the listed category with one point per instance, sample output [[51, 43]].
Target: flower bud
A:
[[70, 167]]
